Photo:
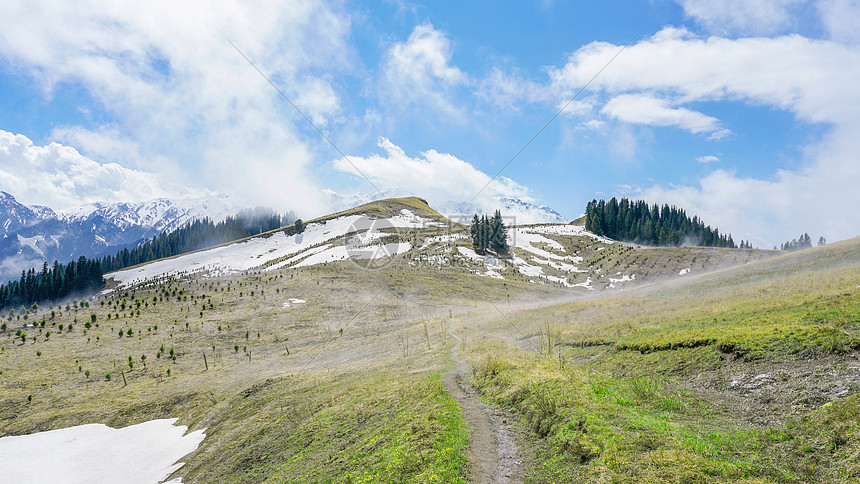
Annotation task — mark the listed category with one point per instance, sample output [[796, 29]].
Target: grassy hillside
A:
[[745, 375], [347, 380], [744, 369]]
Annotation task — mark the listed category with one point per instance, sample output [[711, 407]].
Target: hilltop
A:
[[563, 255]]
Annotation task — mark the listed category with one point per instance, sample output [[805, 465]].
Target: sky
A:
[[744, 112]]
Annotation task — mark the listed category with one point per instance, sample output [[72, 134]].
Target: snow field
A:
[[145, 453], [310, 246]]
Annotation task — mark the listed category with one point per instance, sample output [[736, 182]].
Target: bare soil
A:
[[493, 453]]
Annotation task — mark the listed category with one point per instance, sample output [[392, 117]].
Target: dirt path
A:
[[493, 454]]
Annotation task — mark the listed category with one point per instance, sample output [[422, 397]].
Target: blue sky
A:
[[744, 112]]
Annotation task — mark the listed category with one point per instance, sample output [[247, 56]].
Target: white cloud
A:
[[784, 72], [707, 159], [744, 17], [818, 199], [61, 178], [648, 110], [812, 79], [840, 19], [439, 178], [419, 72], [178, 94], [509, 89], [592, 125]]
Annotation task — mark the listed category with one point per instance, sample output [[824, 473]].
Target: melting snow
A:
[[293, 301], [310, 247], [684, 271], [31, 243], [442, 239], [565, 229], [145, 453], [623, 278]]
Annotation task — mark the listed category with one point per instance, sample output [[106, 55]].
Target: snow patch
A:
[[565, 229], [145, 453], [310, 246], [684, 271], [31, 243], [442, 239], [623, 278], [293, 301]]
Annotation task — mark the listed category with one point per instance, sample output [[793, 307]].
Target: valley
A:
[[325, 356]]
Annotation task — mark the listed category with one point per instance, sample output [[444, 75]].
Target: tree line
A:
[[489, 233], [195, 235], [52, 283], [802, 242], [638, 222], [86, 275]]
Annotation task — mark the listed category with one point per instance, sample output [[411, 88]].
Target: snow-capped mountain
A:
[[160, 214], [14, 215], [32, 235], [515, 210]]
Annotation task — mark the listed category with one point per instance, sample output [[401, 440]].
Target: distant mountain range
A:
[[33, 234]]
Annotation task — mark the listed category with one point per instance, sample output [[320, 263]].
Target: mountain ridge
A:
[[35, 234]]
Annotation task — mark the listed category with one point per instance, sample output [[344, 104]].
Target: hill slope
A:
[[297, 371], [562, 255]]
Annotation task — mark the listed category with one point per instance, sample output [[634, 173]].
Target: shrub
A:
[[107, 377]]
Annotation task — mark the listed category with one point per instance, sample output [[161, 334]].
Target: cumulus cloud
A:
[[419, 72], [818, 199], [61, 178], [840, 18], [440, 178], [168, 80], [742, 17], [812, 79], [648, 110], [784, 72]]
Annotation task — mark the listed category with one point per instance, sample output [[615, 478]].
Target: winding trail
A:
[[493, 456]]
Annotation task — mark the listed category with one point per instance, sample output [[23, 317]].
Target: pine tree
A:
[[499, 238], [485, 234], [597, 225], [473, 232]]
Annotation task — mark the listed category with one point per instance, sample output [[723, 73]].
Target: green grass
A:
[[661, 385], [385, 426], [596, 428]]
